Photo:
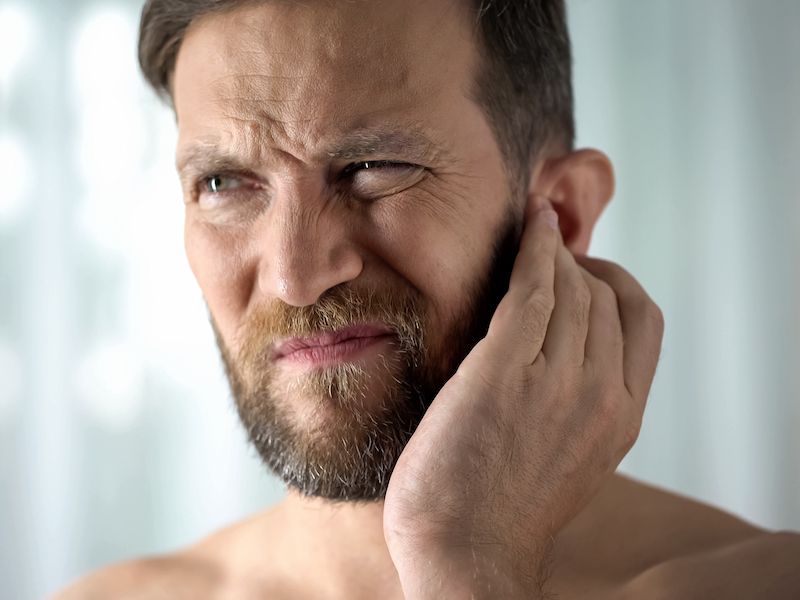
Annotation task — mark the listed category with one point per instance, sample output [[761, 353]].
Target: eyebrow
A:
[[365, 142], [207, 156]]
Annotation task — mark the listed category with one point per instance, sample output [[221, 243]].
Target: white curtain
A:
[[117, 434]]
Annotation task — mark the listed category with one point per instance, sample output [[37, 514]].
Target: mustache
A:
[[400, 309]]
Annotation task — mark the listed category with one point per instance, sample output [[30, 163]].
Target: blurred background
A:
[[117, 433]]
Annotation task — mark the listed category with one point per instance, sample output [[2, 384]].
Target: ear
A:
[[578, 185]]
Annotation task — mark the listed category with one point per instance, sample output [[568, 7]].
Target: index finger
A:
[[519, 324]]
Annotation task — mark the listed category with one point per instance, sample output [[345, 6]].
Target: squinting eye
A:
[[216, 184], [374, 165], [375, 179]]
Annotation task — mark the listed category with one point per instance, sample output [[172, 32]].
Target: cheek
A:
[[439, 252], [220, 267]]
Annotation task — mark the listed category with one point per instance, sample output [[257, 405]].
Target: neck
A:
[[342, 544]]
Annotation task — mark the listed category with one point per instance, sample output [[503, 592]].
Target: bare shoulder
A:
[[172, 577], [662, 545], [763, 566], [213, 568]]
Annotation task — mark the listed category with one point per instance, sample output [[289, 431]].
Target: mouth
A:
[[342, 345]]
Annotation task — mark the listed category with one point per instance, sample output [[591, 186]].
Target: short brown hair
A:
[[524, 84]]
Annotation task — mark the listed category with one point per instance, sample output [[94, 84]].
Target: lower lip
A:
[[348, 350]]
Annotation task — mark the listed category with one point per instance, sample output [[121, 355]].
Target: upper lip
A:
[[364, 330]]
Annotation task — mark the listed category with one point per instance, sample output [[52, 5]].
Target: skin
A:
[[551, 393]]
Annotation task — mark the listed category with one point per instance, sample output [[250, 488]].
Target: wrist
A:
[[447, 574]]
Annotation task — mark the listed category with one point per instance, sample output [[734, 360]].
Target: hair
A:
[[524, 84]]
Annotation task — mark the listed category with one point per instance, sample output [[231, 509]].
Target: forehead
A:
[[294, 74]]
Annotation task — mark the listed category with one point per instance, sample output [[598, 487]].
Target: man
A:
[[415, 342]]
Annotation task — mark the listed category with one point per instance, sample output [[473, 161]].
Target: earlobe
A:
[[579, 185]]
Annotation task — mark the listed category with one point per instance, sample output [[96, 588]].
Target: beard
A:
[[336, 432]]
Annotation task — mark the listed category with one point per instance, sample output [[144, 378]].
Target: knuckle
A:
[[580, 305], [583, 295], [534, 322], [605, 294], [541, 301]]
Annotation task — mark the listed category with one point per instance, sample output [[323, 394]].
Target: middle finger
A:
[[566, 333]]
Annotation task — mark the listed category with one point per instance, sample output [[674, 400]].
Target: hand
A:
[[537, 416]]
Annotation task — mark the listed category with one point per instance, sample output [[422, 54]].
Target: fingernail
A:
[[551, 217]]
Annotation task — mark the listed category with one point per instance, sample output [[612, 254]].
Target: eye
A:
[[216, 191], [376, 178], [366, 165], [217, 184]]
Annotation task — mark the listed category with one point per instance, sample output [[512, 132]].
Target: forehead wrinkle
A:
[[293, 93], [408, 142], [263, 68], [253, 98], [297, 93], [319, 139]]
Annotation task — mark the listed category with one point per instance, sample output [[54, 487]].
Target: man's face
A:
[[340, 185]]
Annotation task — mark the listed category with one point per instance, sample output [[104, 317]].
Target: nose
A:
[[305, 251]]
